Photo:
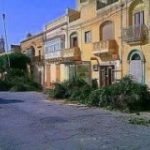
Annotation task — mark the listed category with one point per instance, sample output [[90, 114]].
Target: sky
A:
[[29, 16]]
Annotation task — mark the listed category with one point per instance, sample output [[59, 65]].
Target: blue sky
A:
[[23, 16]]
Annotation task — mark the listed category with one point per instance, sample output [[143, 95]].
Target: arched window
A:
[[136, 57], [136, 13], [73, 40], [30, 52], [106, 31]]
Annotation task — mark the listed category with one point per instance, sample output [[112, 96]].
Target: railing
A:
[[73, 53], [38, 58], [101, 4], [53, 55], [108, 46], [135, 34]]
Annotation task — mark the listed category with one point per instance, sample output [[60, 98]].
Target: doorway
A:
[[106, 75], [136, 66]]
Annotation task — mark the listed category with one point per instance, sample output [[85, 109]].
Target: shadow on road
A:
[[53, 120], [9, 101]]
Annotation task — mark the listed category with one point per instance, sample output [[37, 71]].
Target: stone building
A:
[[32, 46], [101, 39]]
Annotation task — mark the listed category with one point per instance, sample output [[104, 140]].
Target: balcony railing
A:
[[104, 3], [72, 53], [135, 34], [53, 55], [102, 47], [38, 58]]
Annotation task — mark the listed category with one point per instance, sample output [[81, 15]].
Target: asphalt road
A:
[[29, 122]]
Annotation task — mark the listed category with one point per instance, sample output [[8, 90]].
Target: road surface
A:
[[30, 122]]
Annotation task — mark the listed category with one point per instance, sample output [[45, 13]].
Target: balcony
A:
[[53, 55], [105, 47], [73, 54], [102, 4], [135, 35], [38, 58]]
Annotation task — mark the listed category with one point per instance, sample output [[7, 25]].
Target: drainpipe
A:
[[121, 49]]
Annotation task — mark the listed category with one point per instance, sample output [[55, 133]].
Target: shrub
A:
[[94, 84], [84, 93], [4, 85], [50, 93], [33, 86], [94, 97], [21, 84], [17, 80], [139, 121], [59, 90], [18, 87], [123, 95], [75, 89]]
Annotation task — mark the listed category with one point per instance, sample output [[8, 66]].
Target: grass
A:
[[139, 121]]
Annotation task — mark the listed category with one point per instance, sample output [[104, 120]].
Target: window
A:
[[83, 1], [88, 37], [104, 3], [53, 45], [73, 40], [106, 31], [136, 57], [138, 18]]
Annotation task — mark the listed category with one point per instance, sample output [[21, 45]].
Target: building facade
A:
[[114, 37], [32, 46], [54, 44], [136, 41], [101, 39], [60, 58]]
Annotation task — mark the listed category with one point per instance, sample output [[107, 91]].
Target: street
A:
[[30, 122]]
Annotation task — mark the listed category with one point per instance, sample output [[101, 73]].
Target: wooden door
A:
[[106, 75]]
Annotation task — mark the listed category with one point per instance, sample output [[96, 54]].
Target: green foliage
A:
[[139, 121], [17, 61], [15, 77], [59, 91], [94, 97], [94, 84], [75, 89], [4, 85], [123, 95], [18, 80], [3, 63]]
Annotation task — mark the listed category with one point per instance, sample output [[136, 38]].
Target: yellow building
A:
[[57, 55], [98, 32], [32, 46], [114, 36], [102, 39], [136, 42]]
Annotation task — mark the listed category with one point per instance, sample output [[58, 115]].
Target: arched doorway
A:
[[136, 65]]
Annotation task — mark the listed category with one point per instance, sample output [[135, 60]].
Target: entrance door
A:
[[106, 75], [136, 67]]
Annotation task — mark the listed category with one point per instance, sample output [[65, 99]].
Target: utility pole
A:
[[6, 39]]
